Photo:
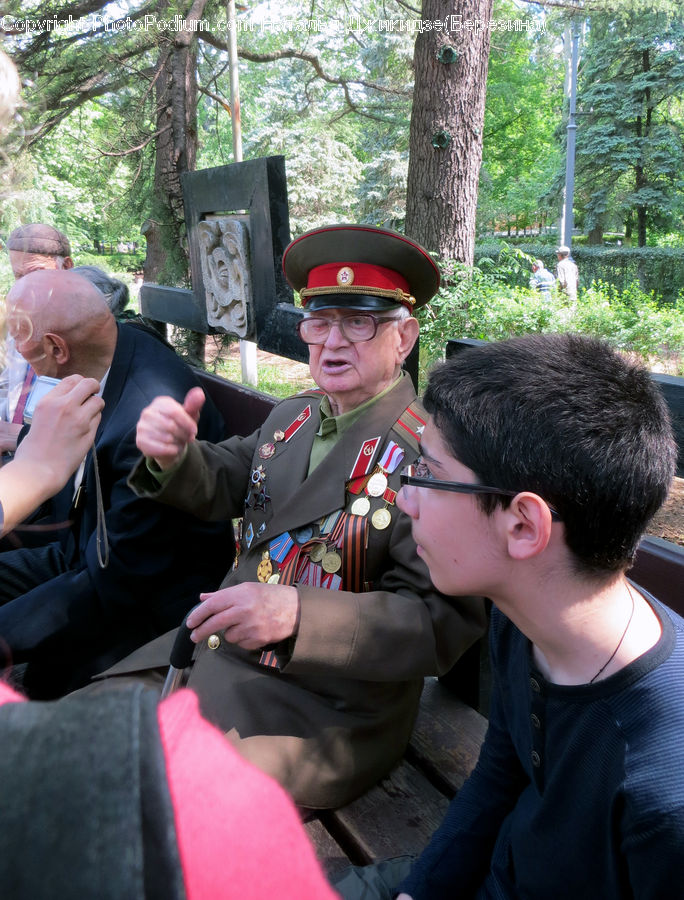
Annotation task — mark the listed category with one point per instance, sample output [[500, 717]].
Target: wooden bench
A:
[[399, 814]]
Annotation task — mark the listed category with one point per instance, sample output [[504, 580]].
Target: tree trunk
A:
[[447, 117], [166, 260], [595, 236]]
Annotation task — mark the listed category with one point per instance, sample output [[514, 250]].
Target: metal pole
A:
[[567, 223], [248, 354]]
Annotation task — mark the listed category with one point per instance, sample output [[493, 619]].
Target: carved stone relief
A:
[[226, 273]]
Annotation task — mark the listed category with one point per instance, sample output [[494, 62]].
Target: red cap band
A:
[[340, 274]]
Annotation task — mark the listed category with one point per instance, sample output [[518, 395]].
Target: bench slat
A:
[[395, 817], [331, 856], [447, 737]]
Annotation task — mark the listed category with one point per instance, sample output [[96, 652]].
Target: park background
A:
[[381, 113]]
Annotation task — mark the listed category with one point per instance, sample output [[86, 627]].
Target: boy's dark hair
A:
[[568, 418]]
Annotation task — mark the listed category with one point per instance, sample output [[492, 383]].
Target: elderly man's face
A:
[[352, 373], [22, 263]]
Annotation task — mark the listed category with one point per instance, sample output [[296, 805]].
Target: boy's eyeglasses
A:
[[418, 475]]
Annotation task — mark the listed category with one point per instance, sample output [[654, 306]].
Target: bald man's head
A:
[[61, 323]]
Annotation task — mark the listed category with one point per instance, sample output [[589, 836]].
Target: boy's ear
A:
[[528, 525]]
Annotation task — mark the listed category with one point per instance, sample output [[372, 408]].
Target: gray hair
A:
[[115, 291]]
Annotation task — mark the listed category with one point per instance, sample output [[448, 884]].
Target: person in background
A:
[[313, 653], [115, 291], [38, 246], [541, 279], [567, 274], [543, 461], [31, 247]]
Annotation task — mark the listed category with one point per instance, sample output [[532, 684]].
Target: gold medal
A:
[[331, 562], [265, 568], [274, 579], [377, 484], [213, 642], [317, 552], [381, 518], [360, 506]]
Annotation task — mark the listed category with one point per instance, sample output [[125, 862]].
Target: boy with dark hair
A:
[[543, 460]]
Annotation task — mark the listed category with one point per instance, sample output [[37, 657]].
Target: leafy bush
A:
[[481, 303]]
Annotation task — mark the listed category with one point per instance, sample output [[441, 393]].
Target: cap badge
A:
[[345, 276]]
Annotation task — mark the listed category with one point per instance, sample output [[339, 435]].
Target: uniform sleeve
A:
[[238, 833], [210, 482]]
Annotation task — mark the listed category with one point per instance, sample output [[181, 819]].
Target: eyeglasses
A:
[[418, 475], [356, 329]]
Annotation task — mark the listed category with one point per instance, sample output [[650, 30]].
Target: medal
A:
[[265, 568], [377, 484], [381, 518], [249, 535], [274, 579], [266, 450], [258, 475], [329, 523], [280, 547], [317, 552], [278, 435], [304, 534], [260, 498], [360, 506], [331, 561]]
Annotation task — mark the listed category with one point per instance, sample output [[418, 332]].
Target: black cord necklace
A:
[[614, 653]]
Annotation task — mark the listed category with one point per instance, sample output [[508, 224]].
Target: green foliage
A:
[[481, 303], [630, 149], [524, 97]]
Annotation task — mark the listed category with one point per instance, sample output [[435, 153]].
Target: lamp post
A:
[[567, 220], [248, 354]]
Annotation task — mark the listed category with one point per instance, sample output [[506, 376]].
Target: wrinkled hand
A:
[[62, 430], [166, 427], [250, 614]]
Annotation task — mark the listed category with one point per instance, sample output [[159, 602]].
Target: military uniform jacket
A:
[[336, 711]]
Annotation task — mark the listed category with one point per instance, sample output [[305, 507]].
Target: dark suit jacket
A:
[[338, 712], [159, 559]]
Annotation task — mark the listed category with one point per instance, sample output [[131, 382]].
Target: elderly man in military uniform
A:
[[312, 654]]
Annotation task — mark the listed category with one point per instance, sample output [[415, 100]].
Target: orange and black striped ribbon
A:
[[354, 552]]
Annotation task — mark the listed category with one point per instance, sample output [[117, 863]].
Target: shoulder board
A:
[[311, 392], [411, 422]]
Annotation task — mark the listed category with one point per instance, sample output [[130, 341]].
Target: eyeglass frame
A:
[[462, 487], [377, 320]]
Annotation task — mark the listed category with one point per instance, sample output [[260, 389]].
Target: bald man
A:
[[31, 247], [114, 570]]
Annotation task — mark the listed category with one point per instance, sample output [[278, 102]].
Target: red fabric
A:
[[7, 695], [239, 835], [365, 275]]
